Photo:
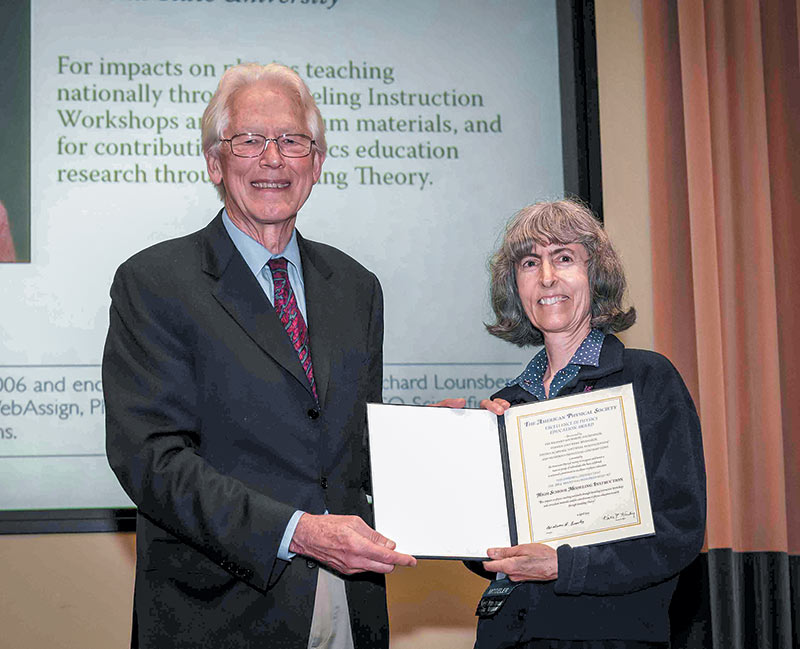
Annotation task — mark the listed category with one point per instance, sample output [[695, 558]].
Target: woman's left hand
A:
[[526, 562]]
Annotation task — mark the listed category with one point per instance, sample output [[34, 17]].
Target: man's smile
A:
[[283, 184]]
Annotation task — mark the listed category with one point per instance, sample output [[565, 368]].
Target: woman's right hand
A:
[[458, 402], [497, 406]]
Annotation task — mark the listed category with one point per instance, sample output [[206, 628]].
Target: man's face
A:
[[269, 189]]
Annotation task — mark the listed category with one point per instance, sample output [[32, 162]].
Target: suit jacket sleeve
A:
[[154, 434], [375, 394]]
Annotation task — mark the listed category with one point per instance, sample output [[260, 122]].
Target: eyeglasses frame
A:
[[267, 140]]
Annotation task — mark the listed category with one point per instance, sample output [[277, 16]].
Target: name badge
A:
[[494, 597]]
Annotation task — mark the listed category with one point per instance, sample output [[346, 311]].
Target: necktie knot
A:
[[277, 265]]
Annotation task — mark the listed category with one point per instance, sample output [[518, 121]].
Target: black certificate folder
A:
[[452, 483]]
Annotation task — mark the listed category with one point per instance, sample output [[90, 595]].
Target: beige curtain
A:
[[723, 116], [723, 102]]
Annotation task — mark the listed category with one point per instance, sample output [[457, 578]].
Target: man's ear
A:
[[319, 158], [214, 166]]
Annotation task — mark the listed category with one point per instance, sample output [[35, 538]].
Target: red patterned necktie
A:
[[290, 316]]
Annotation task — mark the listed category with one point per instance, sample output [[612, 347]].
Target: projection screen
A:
[[443, 118]]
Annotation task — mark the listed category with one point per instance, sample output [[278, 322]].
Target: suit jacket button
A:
[[323, 481], [313, 413], [310, 563]]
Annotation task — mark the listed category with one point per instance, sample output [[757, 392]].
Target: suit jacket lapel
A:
[[321, 306], [240, 295]]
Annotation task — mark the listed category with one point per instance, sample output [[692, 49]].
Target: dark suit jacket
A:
[[215, 435]]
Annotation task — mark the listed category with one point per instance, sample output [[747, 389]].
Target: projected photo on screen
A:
[[14, 127], [442, 120]]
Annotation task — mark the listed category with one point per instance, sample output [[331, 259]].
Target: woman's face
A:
[[553, 286]]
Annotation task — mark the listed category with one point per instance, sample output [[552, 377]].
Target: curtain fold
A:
[[722, 85]]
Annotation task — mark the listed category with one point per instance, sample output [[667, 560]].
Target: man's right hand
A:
[[346, 544]]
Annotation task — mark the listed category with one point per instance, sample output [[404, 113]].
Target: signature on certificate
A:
[[619, 516]]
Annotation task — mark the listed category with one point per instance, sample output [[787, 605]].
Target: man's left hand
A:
[[346, 544]]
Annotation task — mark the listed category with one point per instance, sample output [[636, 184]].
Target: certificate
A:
[[451, 483]]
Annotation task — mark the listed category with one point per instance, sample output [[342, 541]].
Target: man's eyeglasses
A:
[[252, 145]]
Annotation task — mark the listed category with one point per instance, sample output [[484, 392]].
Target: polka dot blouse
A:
[[531, 380]]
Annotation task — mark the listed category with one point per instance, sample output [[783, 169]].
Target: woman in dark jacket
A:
[[557, 280]]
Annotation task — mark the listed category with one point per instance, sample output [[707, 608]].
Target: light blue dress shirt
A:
[[256, 257]]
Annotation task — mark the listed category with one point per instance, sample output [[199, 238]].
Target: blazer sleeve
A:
[[152, 434], [375, 387], [672, 446], [376, 344]]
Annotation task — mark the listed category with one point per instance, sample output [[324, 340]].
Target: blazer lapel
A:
[[238, 292], [321, 307]]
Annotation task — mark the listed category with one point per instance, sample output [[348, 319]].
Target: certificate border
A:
[[528, 509]]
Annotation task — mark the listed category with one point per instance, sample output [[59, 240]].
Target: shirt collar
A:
[[588, 353], [255, 255]]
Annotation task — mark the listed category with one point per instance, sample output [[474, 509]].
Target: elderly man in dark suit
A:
[[237, 367]]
